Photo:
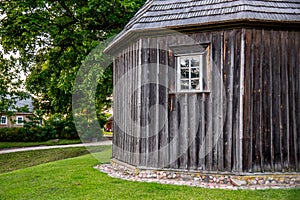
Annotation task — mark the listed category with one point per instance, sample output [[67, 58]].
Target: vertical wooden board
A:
[[135, 103], [147, 104], [173, 107], [276, 62], [236, 95], [120, 112], [247, 147], [174, 132], [222, 106], [280, 102], [201, 133], [116, 108], [171, 75], [183, 131], [284, 101], [137, 100], [117, 111], [266, 93], [208, 133], [228, 81], [153, 98], [270, 101], [123, 109], [193, 111], [241, 98], [172, 68], [139, 96], [115, 152], [114, 140], [292, 115], [261, 125], [171, 99], [216, 87], [209, 148], [131, 134], [170, 128], [163, 101], [144, 102], [142, 107], [256, 100], [297, 94], [126, 108]]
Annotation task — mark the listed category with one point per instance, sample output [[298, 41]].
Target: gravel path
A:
[[105, 142]]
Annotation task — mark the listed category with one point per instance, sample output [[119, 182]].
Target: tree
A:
[[10, 85], [54, 37]]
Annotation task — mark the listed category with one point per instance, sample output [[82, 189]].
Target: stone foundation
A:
[[124, 171]]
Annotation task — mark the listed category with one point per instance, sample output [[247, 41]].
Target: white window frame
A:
[[198, 49], [17, 120], [200, 67], [5, 117]]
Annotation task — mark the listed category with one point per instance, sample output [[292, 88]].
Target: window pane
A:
[[184, 73], [184, 85], [195, 84], [19, 120], [3, 120], [195, 61], [184, 62], [195, 73]]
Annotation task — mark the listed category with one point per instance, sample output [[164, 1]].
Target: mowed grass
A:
[[9, 145], [13, 161], [75, 178]]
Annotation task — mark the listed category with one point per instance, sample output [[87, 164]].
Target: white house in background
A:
[[19, 118]]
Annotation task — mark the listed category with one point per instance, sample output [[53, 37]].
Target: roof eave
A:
[[135, 33]]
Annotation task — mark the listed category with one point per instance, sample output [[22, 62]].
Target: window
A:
[[192, 73], [192, 68], [3, 120], [19, 120]]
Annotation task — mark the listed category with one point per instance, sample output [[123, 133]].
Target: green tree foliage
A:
[[53, 38], [10, 85]]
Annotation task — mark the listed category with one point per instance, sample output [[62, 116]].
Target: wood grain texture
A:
[[248, 121]]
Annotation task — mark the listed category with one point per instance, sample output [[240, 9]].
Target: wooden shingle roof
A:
[[157, 14], [174, 13]]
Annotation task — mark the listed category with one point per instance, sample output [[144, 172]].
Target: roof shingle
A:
[[156, 14]]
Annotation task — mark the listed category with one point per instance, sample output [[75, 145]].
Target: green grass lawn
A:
[[9, 145], [13, 161], [75, 178]]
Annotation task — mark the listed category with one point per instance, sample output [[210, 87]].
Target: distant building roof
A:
[[19, 103], [156, 14], [25, 102]]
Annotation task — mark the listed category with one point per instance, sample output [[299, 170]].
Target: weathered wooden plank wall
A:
[[272, 101], [249, 121]]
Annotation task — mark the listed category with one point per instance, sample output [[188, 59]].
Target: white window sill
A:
[[190, 92]]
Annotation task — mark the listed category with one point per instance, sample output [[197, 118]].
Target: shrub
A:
[[55, 127], [13, 135]]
